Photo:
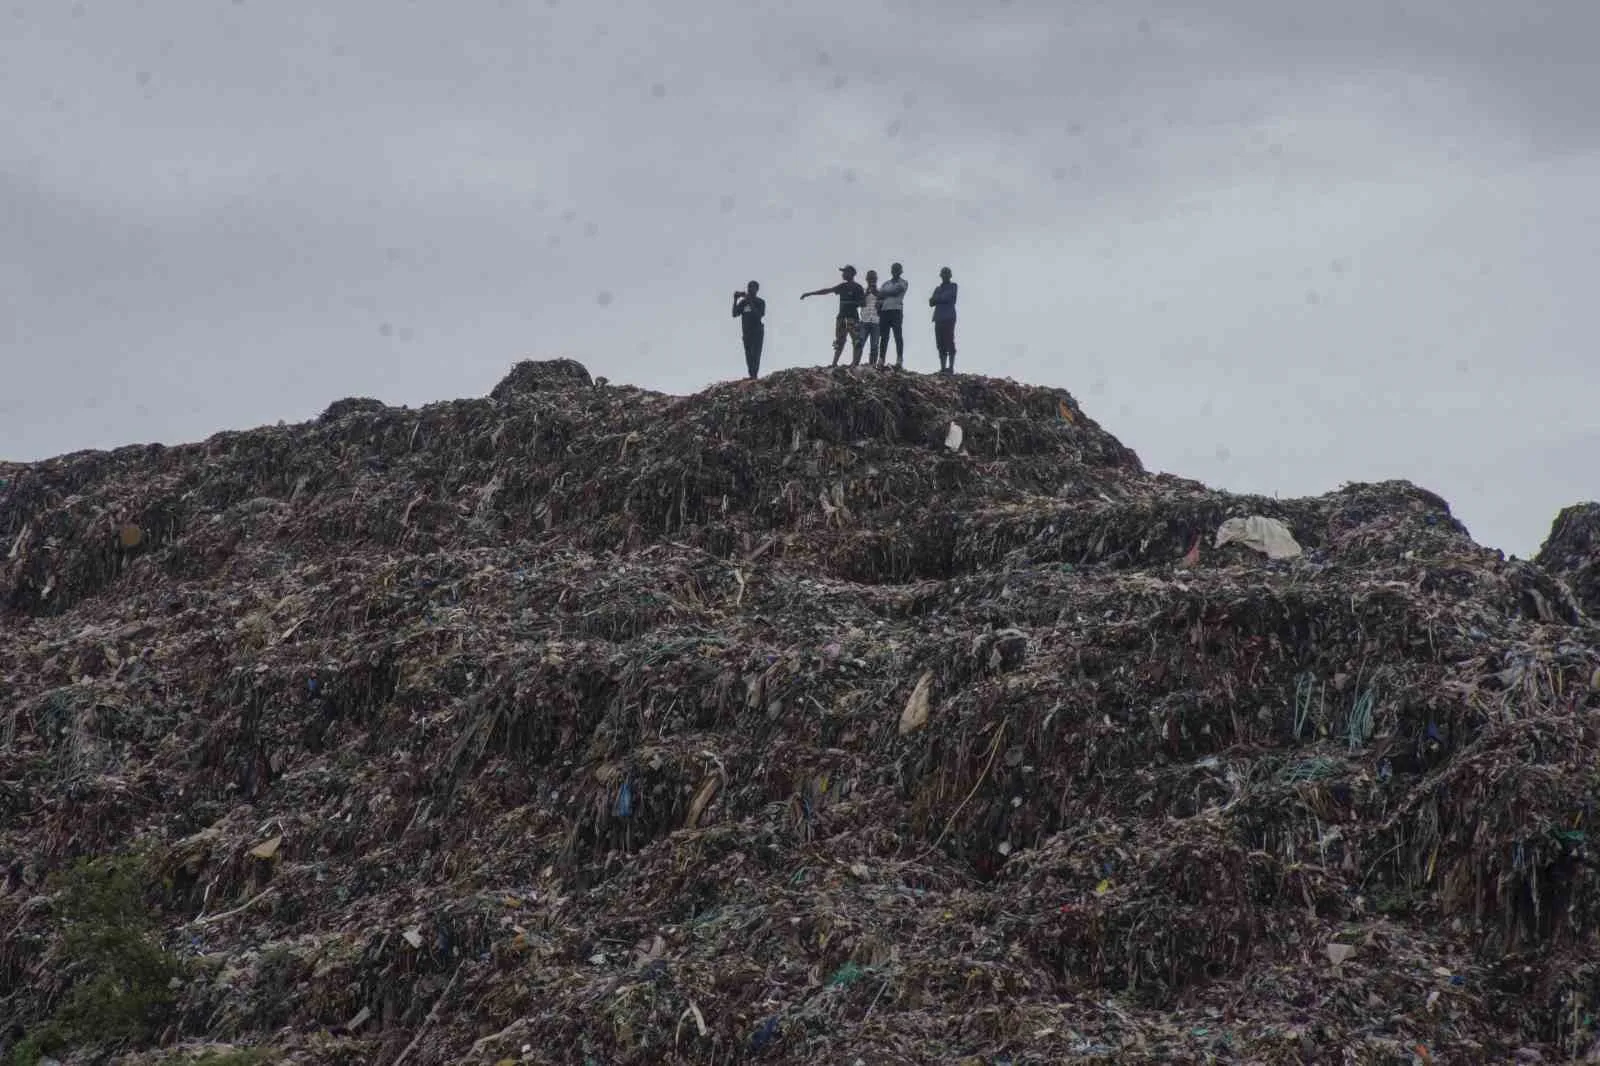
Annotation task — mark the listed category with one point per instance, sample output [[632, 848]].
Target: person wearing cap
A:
[[847, 324], [749, 309], [891, 316], [943, 302], [869, 324]]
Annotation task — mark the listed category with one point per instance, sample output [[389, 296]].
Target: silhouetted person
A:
[[749, 309], [943, 302], [892, 315], [869, 324], [847, 325]]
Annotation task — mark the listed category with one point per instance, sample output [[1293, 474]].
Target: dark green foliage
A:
[[122, 979], [31, 1050]]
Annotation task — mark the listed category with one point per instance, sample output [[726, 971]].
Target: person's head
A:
[[895, 269], [753, 288], [872, 277], [849, 272], [944, 272]]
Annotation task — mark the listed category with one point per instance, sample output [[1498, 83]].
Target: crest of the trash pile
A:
[[542, 375], [1572, 553], [350, 406]]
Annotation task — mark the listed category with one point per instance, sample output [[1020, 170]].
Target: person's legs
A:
[[852, 327], [752, 353], [944, 340], [892, 323], [869, 341], [839, 329]]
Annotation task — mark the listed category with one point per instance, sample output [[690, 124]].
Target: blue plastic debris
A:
[[765, 1034], [624, 805], [1434, 741]]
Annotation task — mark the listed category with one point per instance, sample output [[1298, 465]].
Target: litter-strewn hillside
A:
[[841, 717]]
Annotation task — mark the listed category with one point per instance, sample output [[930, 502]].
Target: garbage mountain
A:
[[839, 717]]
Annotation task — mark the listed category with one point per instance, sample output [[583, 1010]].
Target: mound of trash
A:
[[841, 717], [1572, 552]]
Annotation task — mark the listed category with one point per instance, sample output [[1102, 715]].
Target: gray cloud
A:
[[1272, 246]]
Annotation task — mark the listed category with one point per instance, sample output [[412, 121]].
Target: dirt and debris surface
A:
[[584, 724], [1572, 552]]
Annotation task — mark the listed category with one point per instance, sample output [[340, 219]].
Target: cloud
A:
[[1274, 246]]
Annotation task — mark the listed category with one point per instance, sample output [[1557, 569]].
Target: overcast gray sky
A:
[[1273, 245]]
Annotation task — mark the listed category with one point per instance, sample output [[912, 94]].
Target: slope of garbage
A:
[[840, 717], [1572, 552]]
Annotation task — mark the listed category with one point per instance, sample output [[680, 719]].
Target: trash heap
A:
[[1572, 552], [840, 717]]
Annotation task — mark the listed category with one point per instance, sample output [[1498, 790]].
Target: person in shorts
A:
[[847, 323]]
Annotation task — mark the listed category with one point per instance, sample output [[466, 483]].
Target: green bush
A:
[[122, 978], [30, 1051]]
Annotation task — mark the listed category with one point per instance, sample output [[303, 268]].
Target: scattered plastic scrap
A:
[[267, 849], [915, 715], [1266, 535]]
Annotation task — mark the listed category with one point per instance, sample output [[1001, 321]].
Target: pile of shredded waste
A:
[[1572, 552], [846, 717]]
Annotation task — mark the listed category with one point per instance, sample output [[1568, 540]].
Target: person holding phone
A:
[[750, 309], [868, 339]]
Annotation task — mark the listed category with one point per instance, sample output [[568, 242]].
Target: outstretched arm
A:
[[821, 292]]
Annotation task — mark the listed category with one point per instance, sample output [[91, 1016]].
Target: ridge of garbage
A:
[[842, 716]]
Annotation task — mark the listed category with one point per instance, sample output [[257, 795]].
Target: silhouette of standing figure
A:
[[749, 309], [847, 324], [891, 315], [943, 302]]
